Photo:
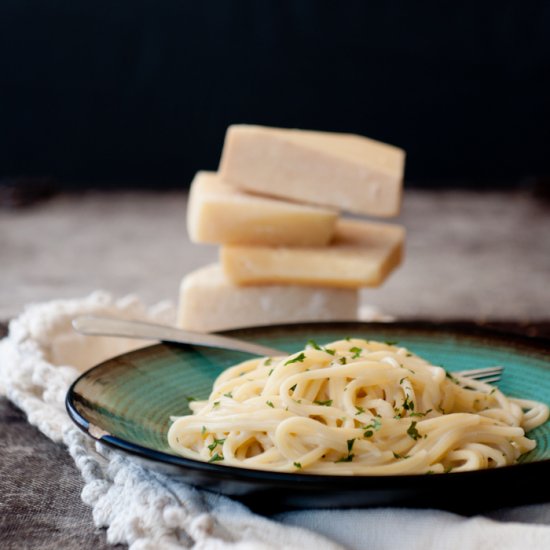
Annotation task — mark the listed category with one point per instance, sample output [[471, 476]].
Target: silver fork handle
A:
[[104, 326]]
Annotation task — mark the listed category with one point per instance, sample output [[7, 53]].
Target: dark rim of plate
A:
[[343, 482]]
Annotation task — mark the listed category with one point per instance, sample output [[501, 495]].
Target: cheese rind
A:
[[362, 254], [210, 302], [222, 214], [343, 171]]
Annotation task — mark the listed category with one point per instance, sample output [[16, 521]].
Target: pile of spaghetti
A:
[[354, 407]]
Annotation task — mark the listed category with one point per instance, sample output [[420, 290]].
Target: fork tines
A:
[[487, 374]]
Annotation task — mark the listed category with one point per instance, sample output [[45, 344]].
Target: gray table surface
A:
[[469, 256]]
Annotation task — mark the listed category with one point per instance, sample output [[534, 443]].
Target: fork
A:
[[488, 375], [104, 326]]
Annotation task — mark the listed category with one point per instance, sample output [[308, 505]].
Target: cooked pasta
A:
[[354, 407]]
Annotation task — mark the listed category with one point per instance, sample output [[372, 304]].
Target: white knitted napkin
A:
[[42, 355]]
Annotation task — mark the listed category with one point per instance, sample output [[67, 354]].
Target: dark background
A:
[[139, 93]]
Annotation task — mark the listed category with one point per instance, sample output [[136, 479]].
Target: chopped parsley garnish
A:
[[216, 458], [326, 403], [492, 391], [412, 431], [297, 465], [356, 352], [298, 359], [228, 394], [330, 351], [408, 405], [390, 343], [397, 455], [359, 410], [216, 404], [448, 469], [342, 360], [293, 387], [269, 373], [268, 361], [313, 344], [215, 443], [429, 472], [190, 398], [401, 381], [374, 426], [270, 404], [350, 443], [348, 458]]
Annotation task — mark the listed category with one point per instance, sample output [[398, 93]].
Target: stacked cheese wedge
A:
[[286, 254]]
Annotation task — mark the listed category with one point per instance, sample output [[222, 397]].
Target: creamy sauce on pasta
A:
[[354, 407]]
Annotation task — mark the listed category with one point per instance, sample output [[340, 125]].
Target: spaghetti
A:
[[354, 407]]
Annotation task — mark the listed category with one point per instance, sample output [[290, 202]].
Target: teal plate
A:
[[126, 402]]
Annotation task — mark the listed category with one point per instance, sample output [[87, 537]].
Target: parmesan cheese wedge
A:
[[210, 302], [361, 254], [222, 214], [343, 171]]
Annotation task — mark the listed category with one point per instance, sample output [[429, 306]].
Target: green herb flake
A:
[[215, 443], [397, 455], [374, 426], [412, 431], [327, 403], [350, 443], [293, 387], [342, 360], [190, 398], [492, 391], [297, 465], [430, 472], [217, 457], [313, 344], [228, 394], [359, 410], [268, 361], [391, 343], [408, 405], [401, 381], [330, 351], [356, 352], [298, 359], [348, 458], [269, 373], [270, 404], [448, 469], [216, 404]]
